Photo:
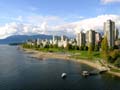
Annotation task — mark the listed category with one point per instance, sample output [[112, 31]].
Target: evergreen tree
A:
[[104, 48], [90, 49]]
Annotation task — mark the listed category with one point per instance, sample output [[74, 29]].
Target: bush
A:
[[114, 54], [111, 48], [76, 47], [55, 46], [117, 62], [110, 59], [85, 48], [96, 48], [81, 48], [50, 46], [46, 46]]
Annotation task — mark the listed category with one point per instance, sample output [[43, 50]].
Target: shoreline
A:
[[47, 55]]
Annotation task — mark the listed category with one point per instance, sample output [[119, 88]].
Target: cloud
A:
[[109, 1], [56, 25], [95, 23], [7, 30]]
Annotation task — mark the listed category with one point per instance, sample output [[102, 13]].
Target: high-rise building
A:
[[53, 38], [98, 38], [90, 37], [109, 32], [116, 34], [80, 38], [63, 38]]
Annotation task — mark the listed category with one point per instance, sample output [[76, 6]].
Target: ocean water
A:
[[18, 71]]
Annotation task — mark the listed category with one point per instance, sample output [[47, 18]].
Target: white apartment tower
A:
[[90, 37], [109, 32], [80, 38]]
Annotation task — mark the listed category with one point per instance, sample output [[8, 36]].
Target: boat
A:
[[64, 75], [85, 73]]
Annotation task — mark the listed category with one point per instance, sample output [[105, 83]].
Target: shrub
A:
[[117, 62], [81, 47], [114, 54], [85, 48], [76, 47], [110, 59], [96, 48]]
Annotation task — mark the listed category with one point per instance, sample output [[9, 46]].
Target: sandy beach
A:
[[46, 55]]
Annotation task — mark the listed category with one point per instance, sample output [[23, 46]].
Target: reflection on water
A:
[[20, 72]]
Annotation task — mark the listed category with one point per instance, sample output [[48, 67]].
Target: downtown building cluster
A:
[[83, 39], [95, 38], [58, 41]]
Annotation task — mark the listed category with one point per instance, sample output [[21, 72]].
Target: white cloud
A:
[[95, 23], [109, 1], [47, 26]]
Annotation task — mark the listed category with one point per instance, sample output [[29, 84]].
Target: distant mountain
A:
[[23, 38]]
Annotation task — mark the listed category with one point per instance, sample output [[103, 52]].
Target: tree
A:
[[82, 47], [104, 48], [46, 46], [96, 48], [68, 47], [90, 49], [50, 46], [85, 48], [55, 46], [76, 47]]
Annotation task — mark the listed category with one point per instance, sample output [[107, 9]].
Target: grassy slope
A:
[[77, 54]]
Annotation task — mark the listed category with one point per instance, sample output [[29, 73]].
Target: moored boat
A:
[[64, 75], [85, 73]]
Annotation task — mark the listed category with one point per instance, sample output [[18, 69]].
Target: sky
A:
[[58, 17]]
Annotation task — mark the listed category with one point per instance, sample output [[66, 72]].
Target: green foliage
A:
[[75, 47], [117, 62], [73, 50], [82, 47], [46, 46], [90, 50], [85, 48], [104, 44], [27, 45], [68, 47], [104, 48], [96, 54], [62, 47], [96, 48], [50, 46], [55, 46], [111, 48], [113, 56]]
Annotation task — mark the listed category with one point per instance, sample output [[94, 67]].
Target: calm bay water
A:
[[20, 72]]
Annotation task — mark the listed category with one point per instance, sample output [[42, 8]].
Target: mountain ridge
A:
[[23, 38]]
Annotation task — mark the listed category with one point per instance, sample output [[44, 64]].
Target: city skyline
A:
[[56, 17]]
